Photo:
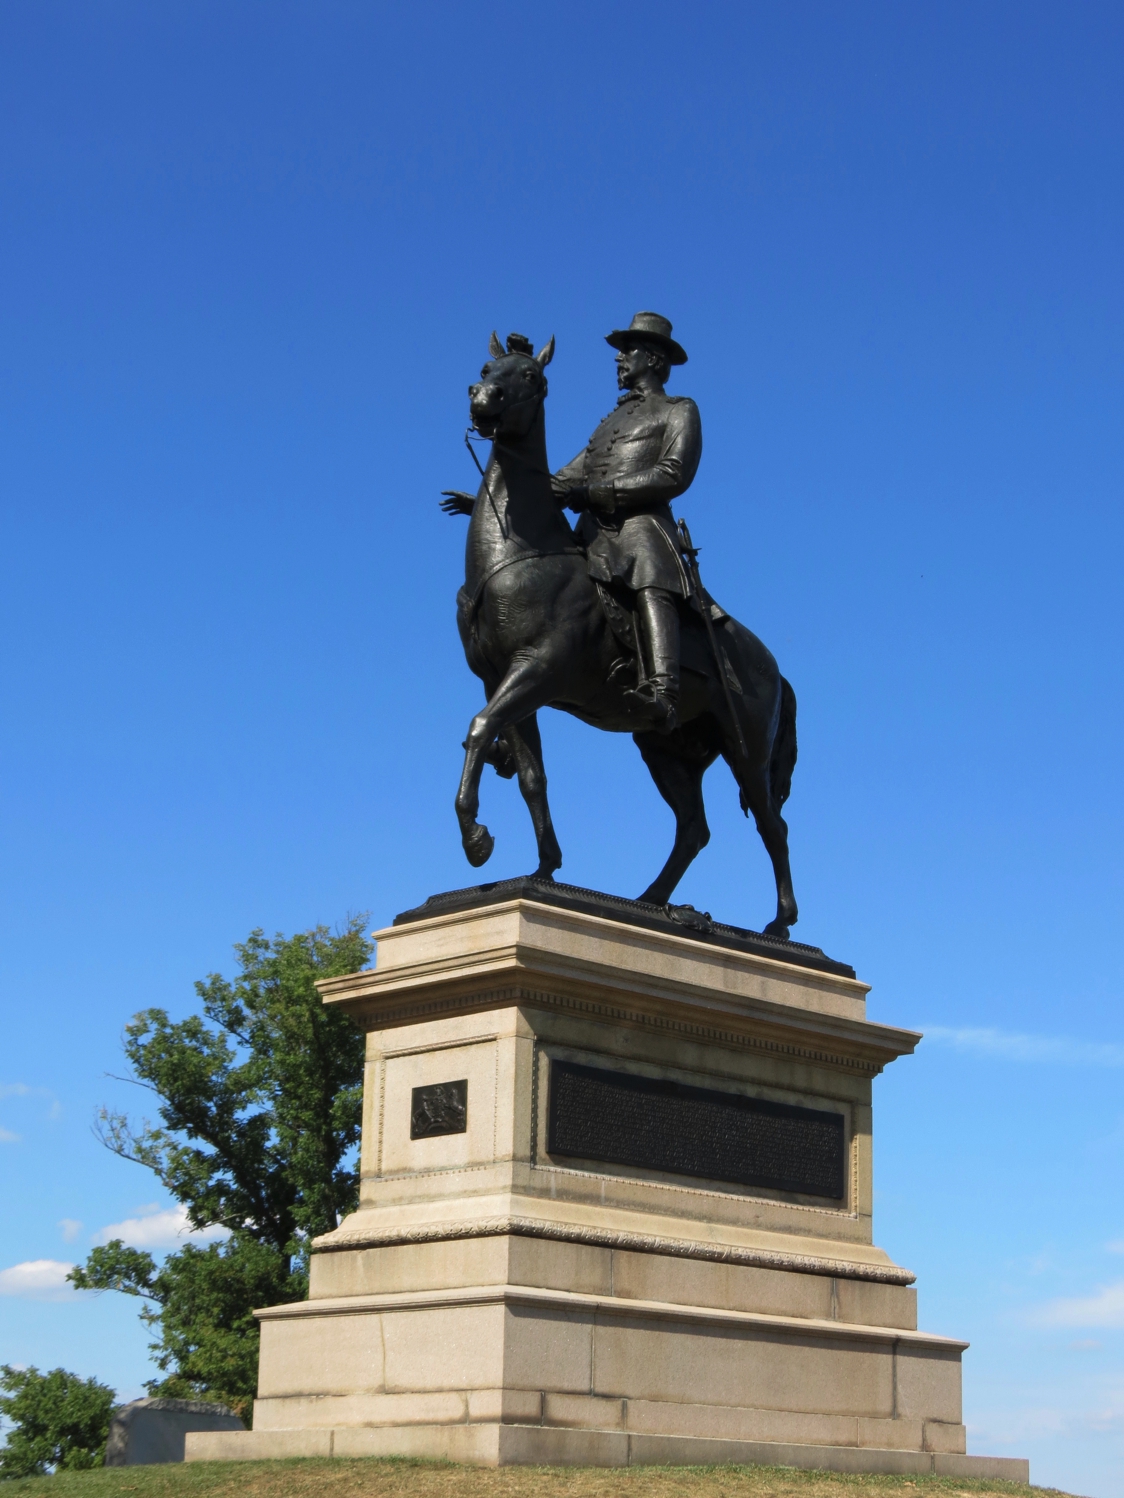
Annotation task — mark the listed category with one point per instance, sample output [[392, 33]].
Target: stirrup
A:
[[661, 708]]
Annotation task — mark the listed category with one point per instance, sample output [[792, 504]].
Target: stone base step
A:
[[492, 1444]]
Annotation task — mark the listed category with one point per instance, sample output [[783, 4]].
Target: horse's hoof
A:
[[776, 928], [478, 845]]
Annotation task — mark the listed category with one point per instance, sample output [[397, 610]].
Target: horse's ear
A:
[[495, 347], [545, 354]]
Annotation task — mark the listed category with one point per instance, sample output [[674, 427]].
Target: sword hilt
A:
[[685, 543]]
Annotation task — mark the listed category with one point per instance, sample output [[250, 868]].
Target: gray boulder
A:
[[149, 1431]]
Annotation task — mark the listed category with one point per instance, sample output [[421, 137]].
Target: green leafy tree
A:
[[260, 1100], [58, 1420]]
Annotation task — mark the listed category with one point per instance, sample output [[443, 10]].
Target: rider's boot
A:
[[658, 614]]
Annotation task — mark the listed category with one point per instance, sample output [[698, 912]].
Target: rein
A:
[[521, 556], [468, 441], [497, 441]]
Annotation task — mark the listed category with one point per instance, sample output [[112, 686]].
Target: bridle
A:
[[471, 436]]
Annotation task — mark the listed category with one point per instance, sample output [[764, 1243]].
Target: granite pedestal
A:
[[615, 1209]]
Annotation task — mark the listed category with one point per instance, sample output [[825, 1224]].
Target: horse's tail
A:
[[782, 761]]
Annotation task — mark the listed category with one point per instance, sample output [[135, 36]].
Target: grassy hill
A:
[[375, 1478]]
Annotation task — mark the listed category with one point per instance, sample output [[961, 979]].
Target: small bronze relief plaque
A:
[[657, 1124], [439, 1109]]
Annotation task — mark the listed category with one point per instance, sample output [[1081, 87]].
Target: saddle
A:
[[616, 604], [630, 670]]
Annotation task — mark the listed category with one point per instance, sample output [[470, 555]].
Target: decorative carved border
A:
[[752, 1195], [529, 1227], [493, 998]]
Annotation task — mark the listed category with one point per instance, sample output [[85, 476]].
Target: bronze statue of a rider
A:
[[542, 623], [641, 457]]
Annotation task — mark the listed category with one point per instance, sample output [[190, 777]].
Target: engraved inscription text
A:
[[624, 1119]]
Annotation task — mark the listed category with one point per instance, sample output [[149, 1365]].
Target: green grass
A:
[[372, 1477]]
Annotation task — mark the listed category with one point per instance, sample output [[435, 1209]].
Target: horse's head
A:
[[511, 389]]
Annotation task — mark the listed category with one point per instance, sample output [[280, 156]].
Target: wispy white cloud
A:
[[1116, 1246], [22, 1090], [12, 1089], [70, 1227], [1104, 1416], [154, 1228], [1104, 1309], [1007, 1045], [38, 1279]]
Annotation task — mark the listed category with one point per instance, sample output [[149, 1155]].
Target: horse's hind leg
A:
[[525, 743], [678, 779], [774, 834]]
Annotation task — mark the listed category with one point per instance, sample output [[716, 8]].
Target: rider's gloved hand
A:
[[576, 499]]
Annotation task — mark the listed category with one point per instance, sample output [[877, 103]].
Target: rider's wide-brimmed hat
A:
[[648, 327]]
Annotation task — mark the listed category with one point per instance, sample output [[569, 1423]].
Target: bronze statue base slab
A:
[[678, 919]]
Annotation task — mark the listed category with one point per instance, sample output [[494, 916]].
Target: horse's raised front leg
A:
[[526, 747], [521, 693]]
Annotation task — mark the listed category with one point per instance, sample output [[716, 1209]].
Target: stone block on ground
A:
[[148, 1432]]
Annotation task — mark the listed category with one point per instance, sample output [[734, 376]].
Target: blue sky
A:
[[250, 256]]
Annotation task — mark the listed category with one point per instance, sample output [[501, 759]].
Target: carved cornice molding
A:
[[436, 1006], [342, 1241]]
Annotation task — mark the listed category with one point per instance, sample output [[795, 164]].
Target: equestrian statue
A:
[[608, 620]]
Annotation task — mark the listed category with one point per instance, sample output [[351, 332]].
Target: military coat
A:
[[642, 456]]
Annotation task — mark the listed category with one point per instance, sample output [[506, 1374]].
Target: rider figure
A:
[[642, 456]]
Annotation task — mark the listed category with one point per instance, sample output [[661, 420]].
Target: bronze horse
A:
[[537, 633]]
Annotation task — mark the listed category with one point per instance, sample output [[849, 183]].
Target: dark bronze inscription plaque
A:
[[623, 1119], [440, 1109]]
